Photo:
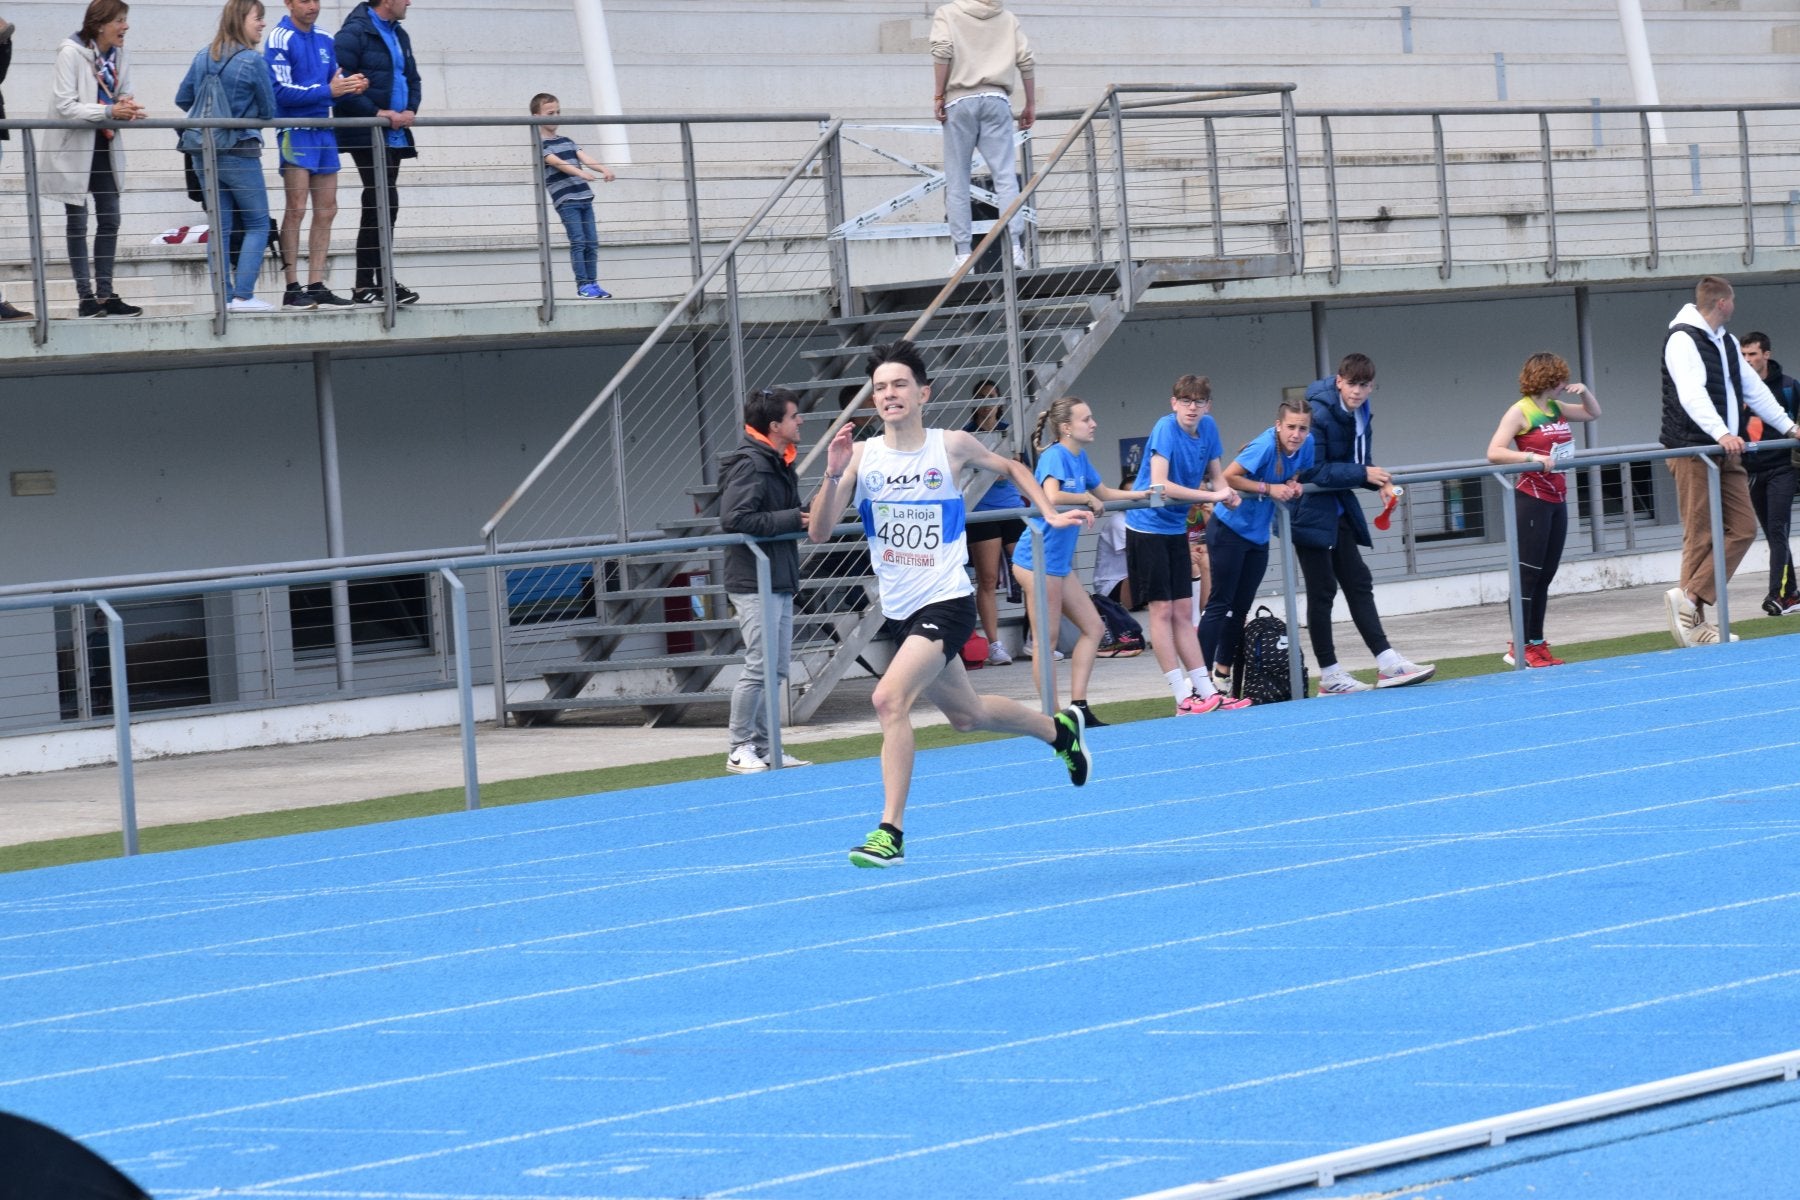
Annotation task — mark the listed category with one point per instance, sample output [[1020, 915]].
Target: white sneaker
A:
[[251, 305], [1706, 634], [997, 655], [1029, 650], [788, 760], [957, 261], [1341, 683], [1684, 617], [744, 760], [1403, 673], [1018, 256]]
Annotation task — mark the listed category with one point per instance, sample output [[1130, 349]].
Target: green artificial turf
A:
[[609, 779]]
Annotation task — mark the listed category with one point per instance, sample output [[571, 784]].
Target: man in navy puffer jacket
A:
[[1329, 526], [372, 43]]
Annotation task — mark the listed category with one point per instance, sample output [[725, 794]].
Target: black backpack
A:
[[1260, 674]]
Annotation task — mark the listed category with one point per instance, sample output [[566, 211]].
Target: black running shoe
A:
[[295, 296], [1087, 715], [320, 296], [404, 294], [1076, 758], [90, 307], [116, 307], [878, 850]]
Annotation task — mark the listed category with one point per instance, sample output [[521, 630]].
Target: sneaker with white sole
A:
[[879, 849], [1018, 253], [957, 261], [1029, 650], [1684, 617], [788, 760], [998, 656], [1404, 673], [249, 304], [1707, 634], [1340, 683], [744, 760]]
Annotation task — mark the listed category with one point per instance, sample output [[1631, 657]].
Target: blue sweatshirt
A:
[[302, 64]]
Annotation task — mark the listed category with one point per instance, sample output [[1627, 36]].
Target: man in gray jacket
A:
[[976, 49], [760, 496]]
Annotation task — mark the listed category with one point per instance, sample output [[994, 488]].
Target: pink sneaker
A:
[[1227, 704], [1196, 703]]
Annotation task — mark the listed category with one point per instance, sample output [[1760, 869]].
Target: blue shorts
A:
[[1059, 549], [315, 150]]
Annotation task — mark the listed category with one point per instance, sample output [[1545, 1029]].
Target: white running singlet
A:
[[912, 514]]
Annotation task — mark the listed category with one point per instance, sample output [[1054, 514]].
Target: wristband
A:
[[838, 478]]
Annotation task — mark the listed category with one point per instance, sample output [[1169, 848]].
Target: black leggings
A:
[[1772, 496], [104, 187], [1543, 528], [1325, 571]]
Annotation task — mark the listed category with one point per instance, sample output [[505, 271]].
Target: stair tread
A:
[[578, 666], [623, 700]]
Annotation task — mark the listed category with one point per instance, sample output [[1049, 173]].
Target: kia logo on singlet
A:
[[874, 481]]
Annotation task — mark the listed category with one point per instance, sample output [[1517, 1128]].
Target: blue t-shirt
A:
[[1188, 458], [1073, 473], [1262, 459]]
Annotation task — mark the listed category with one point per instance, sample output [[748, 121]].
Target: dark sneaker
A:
[[321, 296], [9, 313], [295, 297], [879, 849], [404, 294], [116, 307], [1076, 758], [366, 296], [1087, 715], [90, 307], [373, 295]]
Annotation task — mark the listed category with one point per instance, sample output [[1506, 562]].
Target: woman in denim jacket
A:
[[243, 196]]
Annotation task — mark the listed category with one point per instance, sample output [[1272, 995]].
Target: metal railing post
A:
[[1290, 155], [1015, 364], [1443, 191], [1550, 263], [218, 240], [465, 687], [1214, 194], [1749, 204], [617, 422], [1125, 263], [1043, 637], [1515, 601], [837, 249], [1650, 259], [384, 226], [1331, 202], [1584, 344], [1409, 544], [690, 185], [497, 622], [734, 327], [1289, 587], [546, 279], [1716, 520], [121, 706], [1096, 228], [34, 215], [1030, 239]]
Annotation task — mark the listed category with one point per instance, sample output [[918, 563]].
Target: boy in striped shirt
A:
[[568, 169]]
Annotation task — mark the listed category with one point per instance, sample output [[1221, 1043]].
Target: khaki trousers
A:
[[1696, 522]]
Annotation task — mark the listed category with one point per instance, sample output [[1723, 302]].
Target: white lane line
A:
[[836, 944], [918, 990], [1105, 1027]]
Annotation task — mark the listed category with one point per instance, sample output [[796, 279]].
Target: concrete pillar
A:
[[603, 80]]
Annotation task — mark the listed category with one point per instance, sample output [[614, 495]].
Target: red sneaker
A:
[[1537, 654]]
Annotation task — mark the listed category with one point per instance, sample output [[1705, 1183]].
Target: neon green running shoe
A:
[[879, 849], [1076, 757]]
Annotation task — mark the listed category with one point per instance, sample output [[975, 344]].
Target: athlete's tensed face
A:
[[896, 394]]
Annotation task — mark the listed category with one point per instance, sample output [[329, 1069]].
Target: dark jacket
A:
[[360, 50], [5, 62], [759, 495], [1723, 366], [1315, 521], [1788, 393]]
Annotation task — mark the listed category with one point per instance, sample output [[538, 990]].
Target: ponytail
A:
[[1059, 413]]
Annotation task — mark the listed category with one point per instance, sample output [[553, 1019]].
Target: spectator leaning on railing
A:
[[1705, 383], [372, 43], [91, 81]]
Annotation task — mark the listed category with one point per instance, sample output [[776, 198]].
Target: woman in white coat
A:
[[91, 83]]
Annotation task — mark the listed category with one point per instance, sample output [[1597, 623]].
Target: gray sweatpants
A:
[[983, 123], [749, 711]]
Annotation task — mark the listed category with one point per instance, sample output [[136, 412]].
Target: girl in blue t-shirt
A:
[[1067, 478], [1267, 472]]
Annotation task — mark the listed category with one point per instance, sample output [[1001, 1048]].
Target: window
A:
[[388, 614], [166, 662]]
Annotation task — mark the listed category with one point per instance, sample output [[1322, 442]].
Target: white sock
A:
[[1389, 660], [1333, 669], [1202, 682], [1178, 684]]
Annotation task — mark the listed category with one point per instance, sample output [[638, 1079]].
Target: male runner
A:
[[904, 484]]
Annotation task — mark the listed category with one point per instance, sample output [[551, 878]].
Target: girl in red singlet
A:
[[1536, 430]]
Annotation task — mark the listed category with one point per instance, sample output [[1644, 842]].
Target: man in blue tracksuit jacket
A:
[[373, 43], [1329, 526], [303, 66]]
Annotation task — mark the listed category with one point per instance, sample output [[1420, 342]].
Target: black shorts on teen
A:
[[1007, 531], [1158, 566], [946, 622]]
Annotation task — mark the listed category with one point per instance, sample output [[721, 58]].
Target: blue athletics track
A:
[[1253, 937]]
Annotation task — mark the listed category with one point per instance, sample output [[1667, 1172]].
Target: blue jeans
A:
[[243, 203], [584, 240]]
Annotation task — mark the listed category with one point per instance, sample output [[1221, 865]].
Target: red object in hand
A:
[[1387, 514]]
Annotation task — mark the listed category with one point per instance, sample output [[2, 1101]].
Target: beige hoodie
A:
[[983, 44]]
